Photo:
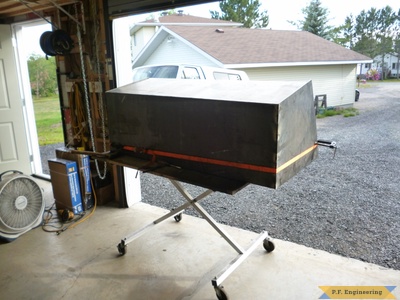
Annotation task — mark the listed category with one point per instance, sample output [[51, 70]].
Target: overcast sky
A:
[[280, 11]]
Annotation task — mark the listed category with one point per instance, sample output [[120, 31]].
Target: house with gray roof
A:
[[263, 54]]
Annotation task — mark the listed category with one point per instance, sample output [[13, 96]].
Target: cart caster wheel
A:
[[269, 246], [220, 292], [178, 218], [122, 248]]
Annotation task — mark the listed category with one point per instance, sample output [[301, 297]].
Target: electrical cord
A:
[[52, 220], [49, 220], [91, 212]]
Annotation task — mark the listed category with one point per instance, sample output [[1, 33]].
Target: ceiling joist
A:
[[14, 8], [116, 8]]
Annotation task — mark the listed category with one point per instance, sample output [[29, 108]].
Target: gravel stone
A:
[[48, 152], [347, 204]]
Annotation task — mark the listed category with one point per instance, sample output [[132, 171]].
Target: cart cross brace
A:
[[177, 214]]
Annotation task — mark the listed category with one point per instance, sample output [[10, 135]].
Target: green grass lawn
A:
[[348, 112], [48, 120]]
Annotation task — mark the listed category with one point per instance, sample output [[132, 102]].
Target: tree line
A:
[[42, 76], [372, 32]]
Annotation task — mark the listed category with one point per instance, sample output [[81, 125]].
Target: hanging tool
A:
[[329, 144]]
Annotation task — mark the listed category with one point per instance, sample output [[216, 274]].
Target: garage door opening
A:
[[40, 95]]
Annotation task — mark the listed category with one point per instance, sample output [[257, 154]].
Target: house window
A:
[[394, 66], [190, 73], [367, 66], [226, 76]]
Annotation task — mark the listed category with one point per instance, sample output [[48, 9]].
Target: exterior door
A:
[[14, 151]]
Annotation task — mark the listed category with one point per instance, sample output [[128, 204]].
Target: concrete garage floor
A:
[[172, 261]]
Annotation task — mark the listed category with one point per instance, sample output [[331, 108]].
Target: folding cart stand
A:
[[220, 135], [177, 214]]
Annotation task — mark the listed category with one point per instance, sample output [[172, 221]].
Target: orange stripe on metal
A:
[[215, 161], [221, 162]]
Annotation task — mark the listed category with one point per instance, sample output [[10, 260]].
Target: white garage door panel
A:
[[338, 82], [8, 150]]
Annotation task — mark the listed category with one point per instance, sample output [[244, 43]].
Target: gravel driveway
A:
[[347, 205]]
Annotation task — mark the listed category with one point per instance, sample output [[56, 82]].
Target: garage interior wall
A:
[[87, 70]]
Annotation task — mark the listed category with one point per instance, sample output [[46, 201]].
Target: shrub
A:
[[373, 74], [347, 112]]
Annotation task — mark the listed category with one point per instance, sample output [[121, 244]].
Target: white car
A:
[[187, 72]]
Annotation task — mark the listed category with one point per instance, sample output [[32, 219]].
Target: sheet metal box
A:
[[250, 131]]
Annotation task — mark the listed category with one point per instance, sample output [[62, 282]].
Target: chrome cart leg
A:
[[207, 216], [216, 282], [122, 246]]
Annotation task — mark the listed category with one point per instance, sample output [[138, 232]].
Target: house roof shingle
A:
[[261, 46]]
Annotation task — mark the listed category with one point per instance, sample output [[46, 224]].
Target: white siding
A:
[[140, 38], [175, 52], [337, 82], [390, 64]]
